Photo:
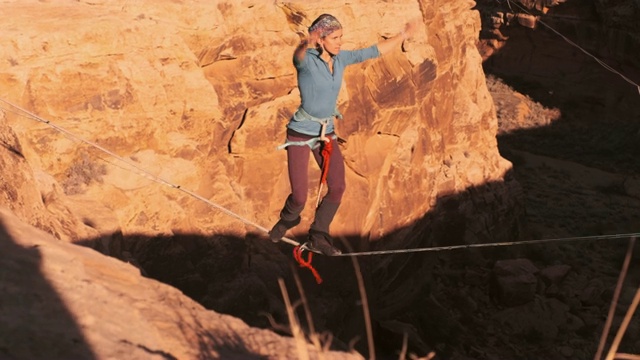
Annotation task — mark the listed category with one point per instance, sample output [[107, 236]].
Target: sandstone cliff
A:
[[196, 95]]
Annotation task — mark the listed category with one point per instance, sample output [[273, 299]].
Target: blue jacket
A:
[[319, 88]]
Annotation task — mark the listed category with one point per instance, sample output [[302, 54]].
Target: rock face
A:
[[196, 95], [33, 195], [606, 29], [515, 281]]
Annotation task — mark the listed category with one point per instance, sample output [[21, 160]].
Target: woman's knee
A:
[[336, 191], [299, 198]]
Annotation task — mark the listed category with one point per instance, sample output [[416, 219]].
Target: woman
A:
[[320, 65]]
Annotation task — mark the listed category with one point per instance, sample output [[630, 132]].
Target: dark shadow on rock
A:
[[34, 321], [597, 131]]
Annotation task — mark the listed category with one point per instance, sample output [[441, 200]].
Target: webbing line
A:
[[602, 63], [484, 245]]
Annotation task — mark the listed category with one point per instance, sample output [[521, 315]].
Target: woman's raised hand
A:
[[313, 38], [410, 28]]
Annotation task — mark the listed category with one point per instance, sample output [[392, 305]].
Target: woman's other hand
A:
[[410, 28]]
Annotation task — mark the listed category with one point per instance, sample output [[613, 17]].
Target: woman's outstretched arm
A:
[[394, 42]]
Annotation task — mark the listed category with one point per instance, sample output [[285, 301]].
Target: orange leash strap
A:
[[297, 254], [327, 148]]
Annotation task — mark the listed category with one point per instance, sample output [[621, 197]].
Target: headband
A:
[[326, 26]]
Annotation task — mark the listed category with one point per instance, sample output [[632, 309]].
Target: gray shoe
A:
[[281, 227], [321, 243]]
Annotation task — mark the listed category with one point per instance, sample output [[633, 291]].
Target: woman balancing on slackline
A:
[[320, 65]]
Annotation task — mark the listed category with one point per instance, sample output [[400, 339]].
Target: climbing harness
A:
[[319, 141], [313, 143]]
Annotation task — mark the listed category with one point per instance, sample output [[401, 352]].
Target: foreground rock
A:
[[63, 301]]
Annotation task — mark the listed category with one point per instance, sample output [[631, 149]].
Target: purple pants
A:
[[298, 160]]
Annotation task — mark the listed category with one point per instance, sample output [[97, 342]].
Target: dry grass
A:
[[322, 342], [613, 351], [298, 335]]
